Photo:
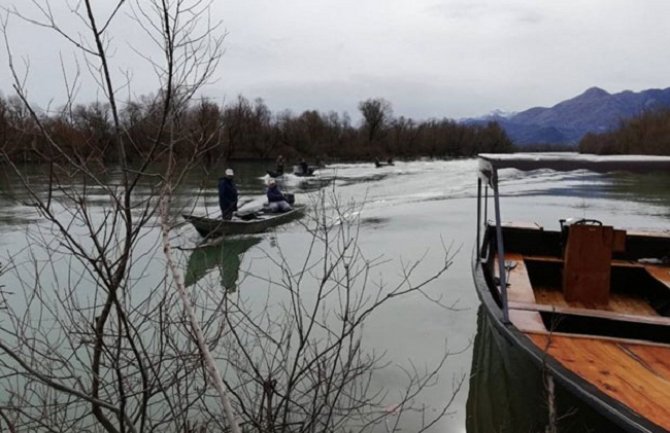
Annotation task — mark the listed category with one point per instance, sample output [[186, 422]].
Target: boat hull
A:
[[383, 164], [611, 412], [216, 227], [507, 391]]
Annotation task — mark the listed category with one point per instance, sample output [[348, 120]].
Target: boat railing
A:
[[491, 181]]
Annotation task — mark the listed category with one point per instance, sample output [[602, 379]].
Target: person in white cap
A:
[[227, 194], [277, 201]]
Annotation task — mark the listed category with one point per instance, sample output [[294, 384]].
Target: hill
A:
[[594, 111]]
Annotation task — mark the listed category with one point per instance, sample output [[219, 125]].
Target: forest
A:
[[645, 134], [240, 129]]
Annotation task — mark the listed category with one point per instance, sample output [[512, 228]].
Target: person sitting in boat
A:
[[304, 168], [377, 162], [277, 201], [227, 194], [279, 165]]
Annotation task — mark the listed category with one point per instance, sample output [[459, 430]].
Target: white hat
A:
[[272, 181], [229, 172]]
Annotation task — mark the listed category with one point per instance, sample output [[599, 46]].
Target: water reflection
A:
[[226, 255]]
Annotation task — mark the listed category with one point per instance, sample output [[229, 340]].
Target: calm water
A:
[[412, 211]]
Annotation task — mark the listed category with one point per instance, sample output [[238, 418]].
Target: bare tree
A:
[[93, 351], [91, 341], [298, 362], [377, 113]]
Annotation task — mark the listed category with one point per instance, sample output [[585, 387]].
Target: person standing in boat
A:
[[304, 168], [277, 201], [227, 194], [279, 165]]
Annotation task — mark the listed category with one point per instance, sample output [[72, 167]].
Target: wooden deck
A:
[[618, 302], [636, 373]]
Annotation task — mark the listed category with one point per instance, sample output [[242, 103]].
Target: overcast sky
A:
[[429, 58]]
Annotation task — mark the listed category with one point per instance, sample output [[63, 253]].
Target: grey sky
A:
[[429, 58]]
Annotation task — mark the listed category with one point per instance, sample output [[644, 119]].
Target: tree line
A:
[[100, 331], [647, 134], [239, 129]]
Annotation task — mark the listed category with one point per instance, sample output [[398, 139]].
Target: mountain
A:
[[567, 122]]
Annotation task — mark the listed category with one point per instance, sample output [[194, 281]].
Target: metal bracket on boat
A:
[[488, 177], [496, 281]]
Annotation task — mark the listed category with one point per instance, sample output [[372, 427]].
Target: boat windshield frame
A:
[[490, 163]]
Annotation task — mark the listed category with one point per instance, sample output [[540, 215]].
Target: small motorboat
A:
[[379, 164], [298, 171], [253, 222]]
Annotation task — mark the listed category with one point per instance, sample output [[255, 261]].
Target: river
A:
[[415, 211]]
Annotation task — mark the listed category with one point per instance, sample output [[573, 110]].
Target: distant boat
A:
[[241, 224], [297, 171], [273, 173], [587, 305], [383, 163]]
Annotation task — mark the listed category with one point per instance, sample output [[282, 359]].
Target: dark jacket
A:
[[227, 195], [274, 194]]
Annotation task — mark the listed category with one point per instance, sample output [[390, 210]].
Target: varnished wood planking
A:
[[636, 375], [618, 302], [612, 315], [656, 358], [587, 263], [519, 288], [661, 273]]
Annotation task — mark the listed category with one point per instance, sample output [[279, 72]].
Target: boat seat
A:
[[588, 261], [586, 312]]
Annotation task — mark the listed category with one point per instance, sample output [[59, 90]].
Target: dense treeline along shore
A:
[[648, 134], [240, 129]]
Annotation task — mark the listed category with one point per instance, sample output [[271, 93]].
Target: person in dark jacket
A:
[[279, 167], [304, 168], [276, 200], [227, 194]]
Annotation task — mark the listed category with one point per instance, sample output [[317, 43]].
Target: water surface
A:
[[412, 211]]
